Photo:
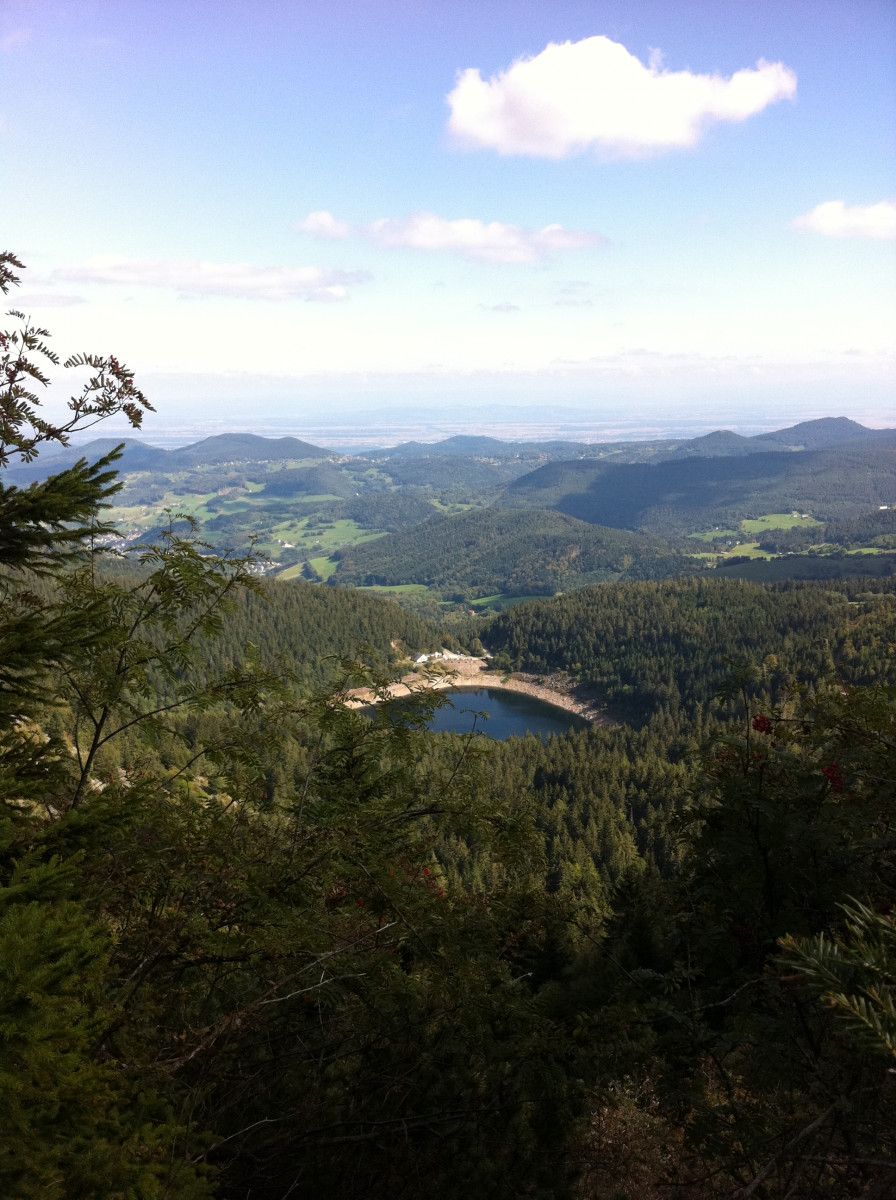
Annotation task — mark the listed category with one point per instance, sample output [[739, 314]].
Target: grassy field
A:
[[759, 525], [291, 572], [324, 567], [779, 521], [338, 533], [319, 543], [750, 549], [502, 601]]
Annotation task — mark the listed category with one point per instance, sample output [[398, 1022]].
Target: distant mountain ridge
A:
[[816, 435], [140, 456], [821, 434]]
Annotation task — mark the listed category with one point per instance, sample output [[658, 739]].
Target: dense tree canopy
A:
[[521, 553]]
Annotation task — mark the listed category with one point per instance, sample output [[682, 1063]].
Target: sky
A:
[[639, 210]]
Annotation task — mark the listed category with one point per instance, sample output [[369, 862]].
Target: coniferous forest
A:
[[255, 943]]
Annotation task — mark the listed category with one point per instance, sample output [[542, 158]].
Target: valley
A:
[[474, 523]]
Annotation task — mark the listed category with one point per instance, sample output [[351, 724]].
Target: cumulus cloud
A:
[[594, 94], [324, 224], [240, 280], [483, 241], [835, 218]]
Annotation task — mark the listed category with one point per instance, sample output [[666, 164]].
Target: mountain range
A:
[[824, 433]]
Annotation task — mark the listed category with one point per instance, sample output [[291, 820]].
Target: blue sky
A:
[[669, 207]]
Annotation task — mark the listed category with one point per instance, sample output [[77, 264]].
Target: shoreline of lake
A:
[[470, 673]]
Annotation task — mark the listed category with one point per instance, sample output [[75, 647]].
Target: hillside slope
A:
[[675, 496], [518, 553]]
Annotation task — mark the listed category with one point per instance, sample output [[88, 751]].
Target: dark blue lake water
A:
[[509, 715]]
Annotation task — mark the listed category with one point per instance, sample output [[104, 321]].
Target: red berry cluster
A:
[[833, 776], [762, 724]]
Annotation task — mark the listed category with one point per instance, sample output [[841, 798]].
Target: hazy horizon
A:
[[410, 425]]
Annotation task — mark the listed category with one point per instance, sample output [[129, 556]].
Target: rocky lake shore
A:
[[471, 673]]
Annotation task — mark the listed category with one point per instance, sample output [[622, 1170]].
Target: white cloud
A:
[[46, 300], [834, 218], [324, 224], [489, 242], [238, 280], [595, 94], [504, 307]]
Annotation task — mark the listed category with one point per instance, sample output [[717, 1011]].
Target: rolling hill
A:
[[677, 496], [491, 550]]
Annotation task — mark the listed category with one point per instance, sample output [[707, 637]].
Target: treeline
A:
[[304, 629], [458, 476], [667, 645], [867, 529]]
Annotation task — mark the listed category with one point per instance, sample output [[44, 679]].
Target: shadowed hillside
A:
[[674, 496]]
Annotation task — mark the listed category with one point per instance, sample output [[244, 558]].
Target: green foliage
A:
[[854, 972], [520, 553], [311, 628], [649, 647], [390, 511], [788, 815], [74, 1124], [108, 391], [313, 481]]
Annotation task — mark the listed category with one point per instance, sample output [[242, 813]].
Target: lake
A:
[[511, 714]]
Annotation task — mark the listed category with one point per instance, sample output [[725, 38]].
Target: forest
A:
[[256, 943], [677, 496], [517, 553]]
